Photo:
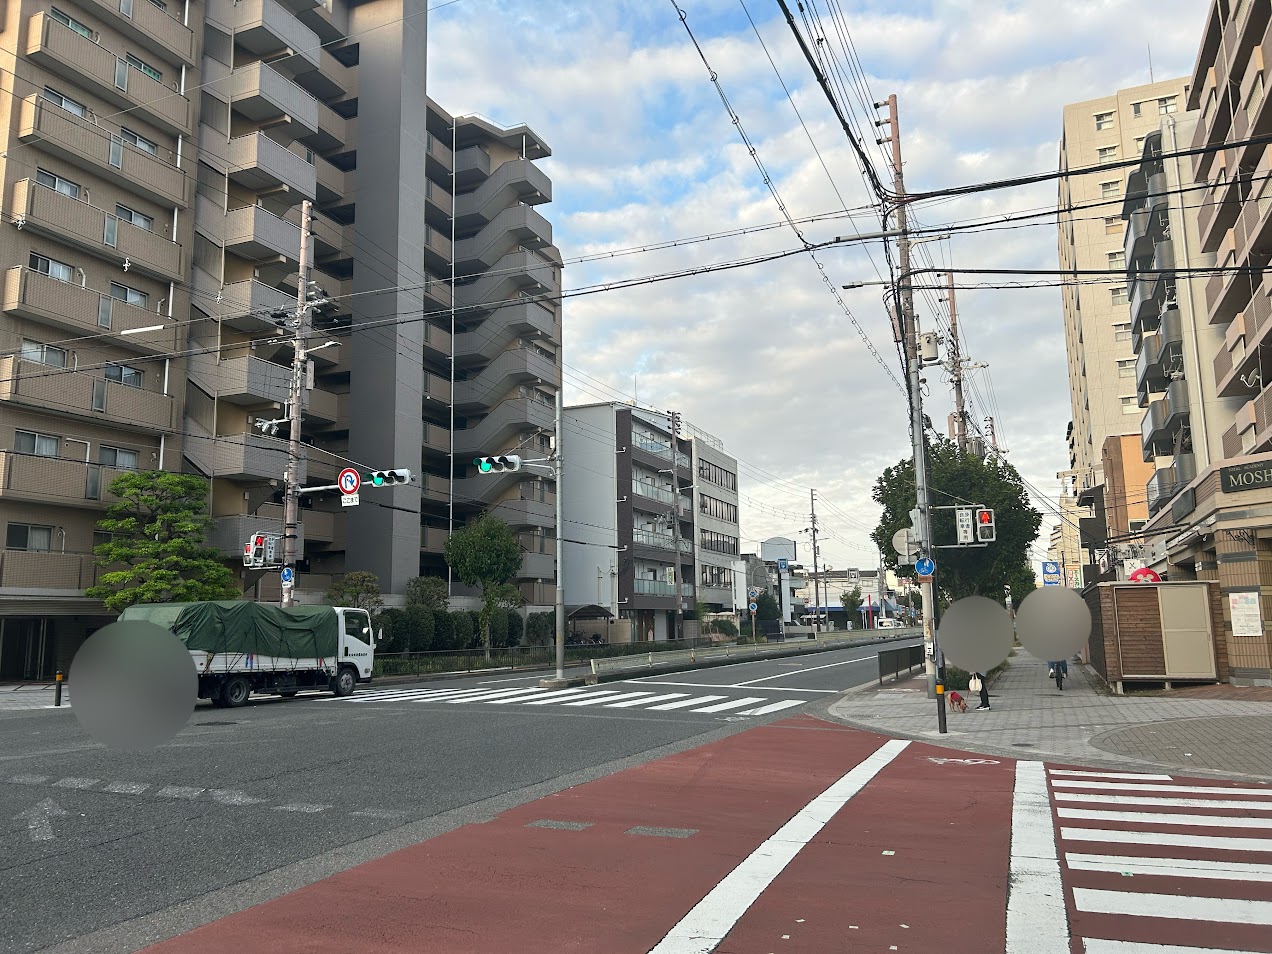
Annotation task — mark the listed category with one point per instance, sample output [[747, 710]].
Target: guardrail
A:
[[708, 653], [891, 661]]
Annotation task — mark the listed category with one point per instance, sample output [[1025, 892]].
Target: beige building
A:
[[1101, 363], [1064, 545], [154, 156]]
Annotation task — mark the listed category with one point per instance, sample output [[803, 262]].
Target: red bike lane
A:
[[916, 855]]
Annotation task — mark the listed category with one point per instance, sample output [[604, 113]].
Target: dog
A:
[[957, 703]]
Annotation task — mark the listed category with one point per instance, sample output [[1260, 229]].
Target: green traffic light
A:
[[375, 479], [484, 465]]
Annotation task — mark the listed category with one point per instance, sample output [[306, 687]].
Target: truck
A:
[[239, 647]]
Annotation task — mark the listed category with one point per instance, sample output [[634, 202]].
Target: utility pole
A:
[[923, 525], [956, 376], [812, 505], [993, 438], [558, 466], [291, 500]]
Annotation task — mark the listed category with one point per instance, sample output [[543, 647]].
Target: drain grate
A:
[[662, 832], [1023, 745], [566, 825]]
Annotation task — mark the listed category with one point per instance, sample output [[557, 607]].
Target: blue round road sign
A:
[[925, 566], [753, 607], [288, 574]]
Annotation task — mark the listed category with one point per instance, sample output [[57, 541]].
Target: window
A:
[[1117, 260], [720, 509], [1122, 332], [119, 458], [1103, 121], [1113, 225], [1111, 189], [140, 142], [144, 67], [1137, 110], [50, 266], [126, 214], [123, 374], [41, 445], [1107, 154], [70, 105], [1139, 145], [719, 542], [717, 475], [1117, 294], [51, 180], [28, 536], [42, 353], [71, 22], [130, 295], [102, 536], [1167, 104], [1130, 405], [160, 4], [1126, 368], [720, 576]]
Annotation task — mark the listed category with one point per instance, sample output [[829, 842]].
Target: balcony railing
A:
[[36, 570], [653, 587], [646, 489], [86, 395], [649, 538], [152, 27], [55, 480]]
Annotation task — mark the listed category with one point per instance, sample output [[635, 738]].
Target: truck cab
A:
[[357, 642]]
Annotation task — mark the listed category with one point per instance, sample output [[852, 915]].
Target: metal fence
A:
[[515, 657], [892, 661]]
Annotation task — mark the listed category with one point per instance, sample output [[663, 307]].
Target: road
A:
[[250, 803]]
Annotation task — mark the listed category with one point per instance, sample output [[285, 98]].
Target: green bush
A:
[[725, 627], [475, 642], [419, 629], [391, 622], [499, 628], [462, 630], [516, 628], [443, 631], [540, 628]]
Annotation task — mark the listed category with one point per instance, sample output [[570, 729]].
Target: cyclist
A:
[[1059, 669]]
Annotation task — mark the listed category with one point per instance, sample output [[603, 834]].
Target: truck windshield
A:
[[356, 626]]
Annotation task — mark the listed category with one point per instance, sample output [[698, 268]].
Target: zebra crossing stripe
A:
[[733, 704], [597, 698], [644, 702], [1175, 789], [1171, 867], [1128, 776], [684, 703], [1222, 843], [1164, 818], [773, 707], [1163, 801], [1181, 907], [561, 695]]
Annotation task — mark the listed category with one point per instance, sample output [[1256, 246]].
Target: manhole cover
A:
[[1023, 745], [218, 723]]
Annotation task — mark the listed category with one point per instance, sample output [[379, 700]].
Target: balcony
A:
[[653, 587], [439, 155], [471, 165], [516, 182], [1153, 434], [265, 96], [519, 271], [247, 306], [260, 164], [59, 48], [251, 232], [1240, 353], [28, 478], [518, 227], [433, 487], [332, 240], [334, 184], [333, 130], [95, 231], [439, 245], [246, 380], [502, 327], [230, 532], [1160, 488], [81, 311], [436, 438], [266, 29], [520, 365], [88, 146], [247, 457], [1159, 354], [434, 539], [1138, 240], [1256, 216], [144, 23], [85, 395], [505, 420], [653, 492], [35, 571], [1158, 192], [437, 387], [438, 290]]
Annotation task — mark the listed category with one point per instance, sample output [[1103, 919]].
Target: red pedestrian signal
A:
[[986, 532]]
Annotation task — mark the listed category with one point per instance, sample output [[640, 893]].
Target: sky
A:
[[764, 357]]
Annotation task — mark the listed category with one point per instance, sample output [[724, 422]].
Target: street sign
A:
[[783, 564], [965, 519], [288, 575], [753, 593], [924, 579], [752, 607], [1050, 573], [350, 482], [904, 543], [349, 500], [925, 567]]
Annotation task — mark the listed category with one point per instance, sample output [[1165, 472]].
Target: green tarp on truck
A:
[[235, 626]]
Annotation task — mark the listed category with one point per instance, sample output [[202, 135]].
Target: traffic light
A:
[[387, 478], [985, 530], [501, 464], [675, 423], [254, 551]]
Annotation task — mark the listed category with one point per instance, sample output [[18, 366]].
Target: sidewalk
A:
[[1230, 736]]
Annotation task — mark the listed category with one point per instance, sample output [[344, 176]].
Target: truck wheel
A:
[[235, 692], [344, 682]]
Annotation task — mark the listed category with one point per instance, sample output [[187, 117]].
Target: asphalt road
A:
[[106, 851]]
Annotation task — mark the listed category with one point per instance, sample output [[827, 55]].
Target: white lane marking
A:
[[1171, 789], [562, 695], [230, 797], [126, 788], [1165, 818], [1129, 776], [29, 779], [1221, 843], [1164, 802], [716, 685], [598, 698], [1095, 945], [733, 704], [304, 808], [1037, 922], [804, 669], [684, 703], [406, 694], [644, 702], [495, 695], [179, 791], [773, 707], [76, 782], [1172, 906], [495, 682], [703, 928], [1171, 867]]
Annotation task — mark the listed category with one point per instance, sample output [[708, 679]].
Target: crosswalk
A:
[[1158, 865], [649, 700]]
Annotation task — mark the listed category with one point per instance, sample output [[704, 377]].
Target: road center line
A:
[[717, 685], [801, 671], [1036, 919], [703, 928]]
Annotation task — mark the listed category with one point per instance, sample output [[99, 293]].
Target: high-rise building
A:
[[154, 158], [1101, 363]]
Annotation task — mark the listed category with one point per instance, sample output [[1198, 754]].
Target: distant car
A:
[[888, 623]]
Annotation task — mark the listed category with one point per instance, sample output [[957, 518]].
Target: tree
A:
[[427, 592], [485, 554], [766, 607], [852, 604], [964, 478], [157, 551], [540, 628], [359, 589]]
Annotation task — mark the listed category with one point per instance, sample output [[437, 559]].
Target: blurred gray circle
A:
[[976, 634], [1053, 622], [133, 685]]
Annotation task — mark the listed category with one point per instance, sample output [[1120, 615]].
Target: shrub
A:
[[498, 628], [540, 628], [443, 631], [462, 629], [392, 623], [516, 628], [419, 629], [726, 627]]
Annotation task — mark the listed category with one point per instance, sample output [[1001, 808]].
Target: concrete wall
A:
[[590, 504]]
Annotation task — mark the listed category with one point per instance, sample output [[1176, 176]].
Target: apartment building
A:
[[629, 508], [1101, 363], [717, 547], [155, 155]]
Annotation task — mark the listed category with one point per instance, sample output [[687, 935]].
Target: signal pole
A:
[[557, 464], [291, 499], [904, 292], [812, 505]]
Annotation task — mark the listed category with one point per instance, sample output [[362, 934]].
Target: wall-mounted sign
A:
[[1246, 618], [1233, 480]]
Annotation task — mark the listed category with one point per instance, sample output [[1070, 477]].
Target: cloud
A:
[[764, 357]]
